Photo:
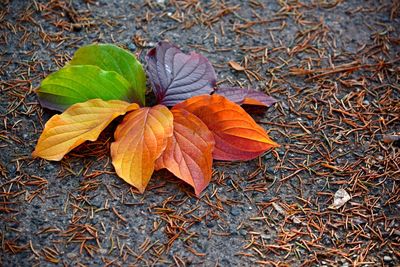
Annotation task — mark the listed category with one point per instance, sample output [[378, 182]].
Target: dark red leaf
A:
[[246, 96], [176, 76]]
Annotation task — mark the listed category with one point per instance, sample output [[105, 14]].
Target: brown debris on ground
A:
[[334, 66]]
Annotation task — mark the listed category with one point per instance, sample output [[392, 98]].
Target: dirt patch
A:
[[334, 67]]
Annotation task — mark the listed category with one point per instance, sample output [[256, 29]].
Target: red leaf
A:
[[188, 154], [237, 136]]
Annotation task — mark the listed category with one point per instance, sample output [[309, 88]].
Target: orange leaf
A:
[[236, 66], [237, 136], [139, 141], [79, 123], [189, 152]]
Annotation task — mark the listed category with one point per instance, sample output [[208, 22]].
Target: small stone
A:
[[49, 167], [234, 211], [25, 136], [268, 156], [72, 255], [132, 46], [387, 258], [151, 44], [11, 168], [266, 236], [242, 232], [271, 170], [210, 224], [103, 251], [397, 232], [233, 230], [37, 222], [192, 200], [346, 264]]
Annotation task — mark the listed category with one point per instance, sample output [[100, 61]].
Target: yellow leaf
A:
[[79, 123], [139, 140]]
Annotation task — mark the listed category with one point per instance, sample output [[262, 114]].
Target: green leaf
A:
[[113, 58], [76, 84]]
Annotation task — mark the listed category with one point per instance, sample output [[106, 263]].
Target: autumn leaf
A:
[[79, 123], [176, 76], [244, 96], [188, 154], [139, 141], [236, 66], [237, 136]]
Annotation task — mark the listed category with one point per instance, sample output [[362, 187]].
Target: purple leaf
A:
[[246, 96], [176, 76]]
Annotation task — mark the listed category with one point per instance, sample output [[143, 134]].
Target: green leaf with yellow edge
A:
[[79, 123], [139, 141], [113, 58], [77, 84]]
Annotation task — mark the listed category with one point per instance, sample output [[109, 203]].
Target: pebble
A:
[[72, 255], [266, 236], [151, 44], [235, 211], [11, 168], [210, 224], [268, 156], [271, 170], [397, 232], [132, 47], [233, 230], [49, 167], [387, 258]]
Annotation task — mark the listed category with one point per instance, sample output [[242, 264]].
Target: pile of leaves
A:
[[103, 81]]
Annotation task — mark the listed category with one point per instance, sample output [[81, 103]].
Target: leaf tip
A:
[[275, 144], [132, 107], [34, 154], [198, 191], [141, 189]]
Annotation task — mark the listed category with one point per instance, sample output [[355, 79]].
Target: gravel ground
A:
[[334, 66]]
